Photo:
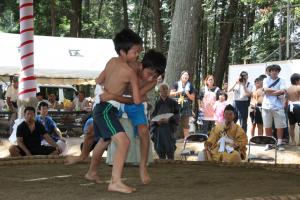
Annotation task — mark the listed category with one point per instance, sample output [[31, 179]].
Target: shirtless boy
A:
[[152, 66], [118, 75], [293, 100], [256, 102]]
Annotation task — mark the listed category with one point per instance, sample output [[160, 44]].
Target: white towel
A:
[[291, 104], [223, 144], [187, 86]]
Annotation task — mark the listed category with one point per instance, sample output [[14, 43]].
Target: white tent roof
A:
[[58, 57]]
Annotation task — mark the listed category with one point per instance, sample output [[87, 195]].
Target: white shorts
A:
[[278, 116]]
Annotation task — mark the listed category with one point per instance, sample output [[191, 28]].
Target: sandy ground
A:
[[170, 181], [290, 156]]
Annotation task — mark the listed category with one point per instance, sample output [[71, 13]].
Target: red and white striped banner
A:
[[27, 80]]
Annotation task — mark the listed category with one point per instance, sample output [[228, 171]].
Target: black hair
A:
[[243, 73], [258, 79], [42, 104], [223, 94], [29, 108], [155, 61], [262, 77], [273, 67], [125, 39], [229, 107], [295, 78]]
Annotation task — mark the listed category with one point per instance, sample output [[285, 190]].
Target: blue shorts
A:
[[88, 123], [136, 114], [106, 121]]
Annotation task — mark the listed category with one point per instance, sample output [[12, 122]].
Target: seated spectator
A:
[[163, 131], [293, 97], [227, 142], [49, 125], [53, 104], [89, 142], [29, 134], [80, 103]]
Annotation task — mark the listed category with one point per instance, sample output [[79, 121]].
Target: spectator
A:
[[80, 103], [206, 101], [11, 100], [293, 100], [219, 107], [227, 142], [29, 134], [88, 145], [184, 93], [225, 87], [255, 112], [242, 91], [53, 103], [12, 95], [273, 106], [40, 97], [163, 131], [49, 125]]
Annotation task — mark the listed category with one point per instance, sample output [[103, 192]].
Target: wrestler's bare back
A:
[[293, 93]]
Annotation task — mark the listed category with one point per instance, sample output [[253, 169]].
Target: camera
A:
[[242, 78]]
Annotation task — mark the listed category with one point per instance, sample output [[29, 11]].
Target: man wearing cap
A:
[[273, 104]]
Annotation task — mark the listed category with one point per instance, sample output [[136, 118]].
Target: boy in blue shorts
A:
[[88, 144], [152, 66], [115, 78]]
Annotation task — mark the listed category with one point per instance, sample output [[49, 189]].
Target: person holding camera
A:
[[242, 92]]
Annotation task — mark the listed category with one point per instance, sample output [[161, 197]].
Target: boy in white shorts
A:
[[273, 105]]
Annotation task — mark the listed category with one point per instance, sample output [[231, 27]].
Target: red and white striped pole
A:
[[27, 82]]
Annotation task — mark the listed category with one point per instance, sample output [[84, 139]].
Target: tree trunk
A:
[[158, 28], [141, 16], [125, 14], [183, 49], [53, 19], [75, 18], [204, 48], [100, 8], [224, 42]]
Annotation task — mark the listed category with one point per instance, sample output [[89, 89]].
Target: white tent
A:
[[58, 59]]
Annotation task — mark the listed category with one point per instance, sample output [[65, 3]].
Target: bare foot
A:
[[93, 177], [120, 187], [71, 160], [144, 175]]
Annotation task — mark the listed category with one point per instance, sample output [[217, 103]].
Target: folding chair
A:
[[193, 138], [265, 140]]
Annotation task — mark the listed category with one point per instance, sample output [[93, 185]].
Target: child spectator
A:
[[255, 112], [220, 107]]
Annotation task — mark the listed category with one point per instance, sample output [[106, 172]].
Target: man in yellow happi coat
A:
[[227, 142]]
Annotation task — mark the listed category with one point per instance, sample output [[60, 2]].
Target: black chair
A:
[[263, 140], [193, 138]]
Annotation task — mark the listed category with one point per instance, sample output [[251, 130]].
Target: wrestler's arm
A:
[[101, 78], [147, 87], [135, 88]]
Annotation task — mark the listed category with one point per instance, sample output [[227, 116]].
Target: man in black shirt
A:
[[29, 136]]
